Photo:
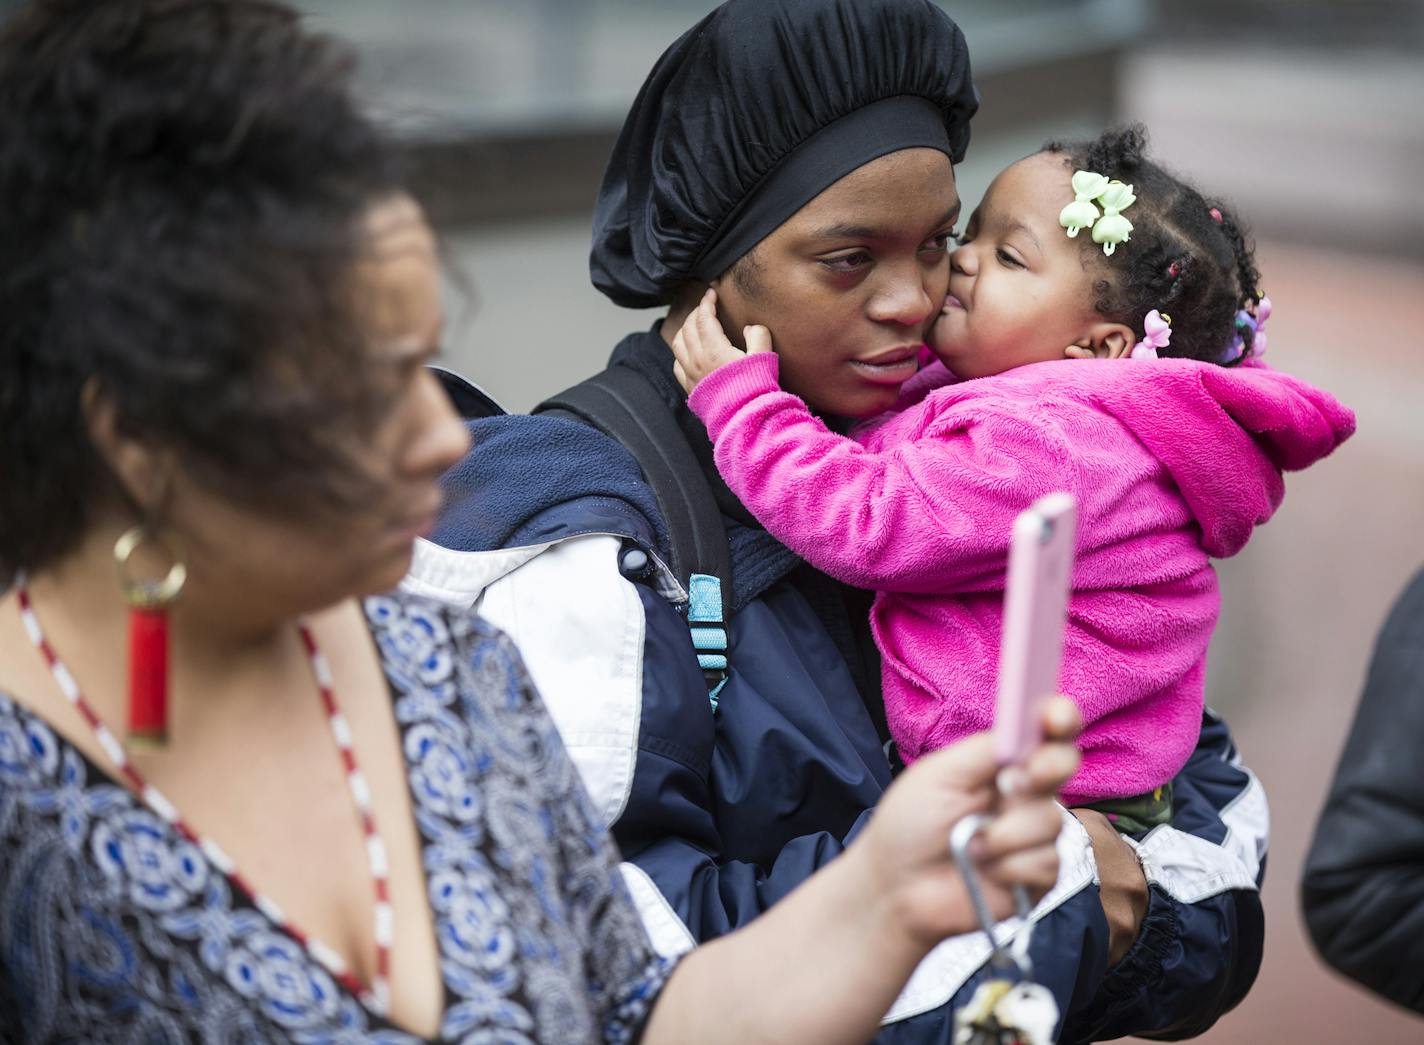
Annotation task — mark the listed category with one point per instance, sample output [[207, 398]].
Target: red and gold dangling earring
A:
[[148, 601]]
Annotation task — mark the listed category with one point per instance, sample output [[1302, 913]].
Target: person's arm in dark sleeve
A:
[[1363, 890], [1199, 948]]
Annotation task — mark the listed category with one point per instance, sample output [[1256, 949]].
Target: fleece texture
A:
[[1172, 462], [484, 510]]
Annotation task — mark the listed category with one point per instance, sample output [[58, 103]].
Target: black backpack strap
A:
[[621, 403]]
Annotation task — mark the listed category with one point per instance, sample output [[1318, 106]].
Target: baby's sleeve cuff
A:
[[719, 395]]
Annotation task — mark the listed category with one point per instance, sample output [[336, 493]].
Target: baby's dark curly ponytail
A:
[[1187, 257]]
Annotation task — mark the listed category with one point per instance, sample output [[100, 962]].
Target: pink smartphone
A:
[[1035, 608]]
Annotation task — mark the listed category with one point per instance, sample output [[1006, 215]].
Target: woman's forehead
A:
[[906, 190], [397, 279]]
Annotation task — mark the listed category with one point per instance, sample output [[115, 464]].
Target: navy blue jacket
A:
[[551, 532]]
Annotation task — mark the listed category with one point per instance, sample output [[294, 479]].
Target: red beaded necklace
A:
[[377, 996]]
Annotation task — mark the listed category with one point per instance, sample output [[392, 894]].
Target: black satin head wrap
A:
[[752, 113]]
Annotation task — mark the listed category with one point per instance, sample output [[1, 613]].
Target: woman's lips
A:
[[892, 368], [405, 533]]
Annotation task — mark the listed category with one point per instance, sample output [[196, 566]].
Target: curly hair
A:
[[185, 182], [1182, 259]]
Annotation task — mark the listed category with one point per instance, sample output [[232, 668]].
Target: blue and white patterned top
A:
[[114, 928]]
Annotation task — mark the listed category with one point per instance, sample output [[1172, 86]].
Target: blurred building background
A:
[[1304, 112]]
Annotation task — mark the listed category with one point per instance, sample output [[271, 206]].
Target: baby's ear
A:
[[1115, 342], [1104, 341]]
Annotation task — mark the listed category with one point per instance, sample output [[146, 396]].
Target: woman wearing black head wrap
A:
[[797, 155], [770, 144], [754, 111]]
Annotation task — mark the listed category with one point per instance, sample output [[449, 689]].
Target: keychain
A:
[[1010, 1008]]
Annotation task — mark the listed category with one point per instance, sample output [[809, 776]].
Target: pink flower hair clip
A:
[[1158, 330]]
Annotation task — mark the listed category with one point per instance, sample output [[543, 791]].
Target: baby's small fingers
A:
[[704, 320], [757, 339], [681, 376], [692, 335], [685, 350]]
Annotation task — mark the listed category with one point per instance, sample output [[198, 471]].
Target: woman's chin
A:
[[857, 404], [392, 568]]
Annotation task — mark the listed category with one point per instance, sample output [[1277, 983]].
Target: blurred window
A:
[[448, 69]]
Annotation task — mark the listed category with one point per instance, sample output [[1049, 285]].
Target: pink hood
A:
[[1225, 435]]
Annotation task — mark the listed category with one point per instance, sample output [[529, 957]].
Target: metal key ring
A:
[[1017, 955]]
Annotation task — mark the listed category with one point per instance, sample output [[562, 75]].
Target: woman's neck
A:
[[216, 640]]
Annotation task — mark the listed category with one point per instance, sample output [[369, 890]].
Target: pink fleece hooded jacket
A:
[[1173, 463]]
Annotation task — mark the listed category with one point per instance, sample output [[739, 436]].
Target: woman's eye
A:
[[847, 262], [940, 243]]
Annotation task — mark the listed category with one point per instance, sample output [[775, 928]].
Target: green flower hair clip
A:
[[1111, 228], [1081, 213]]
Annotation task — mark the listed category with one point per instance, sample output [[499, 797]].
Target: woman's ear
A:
[[684, 300], [738, 290], [143, 474]]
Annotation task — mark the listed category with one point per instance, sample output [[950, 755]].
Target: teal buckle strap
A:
[[623, 403], [709, 634]]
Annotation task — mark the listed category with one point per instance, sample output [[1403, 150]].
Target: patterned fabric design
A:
[[113, 928]]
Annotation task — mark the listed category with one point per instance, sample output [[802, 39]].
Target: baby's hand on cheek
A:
[[701, 346]]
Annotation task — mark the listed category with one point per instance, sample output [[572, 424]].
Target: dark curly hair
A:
[[185, 183], [1187, 257]]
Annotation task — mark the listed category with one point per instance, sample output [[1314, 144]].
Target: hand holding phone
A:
[[1035, 610]]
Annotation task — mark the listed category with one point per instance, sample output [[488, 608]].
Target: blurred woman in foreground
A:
[[353, 820]]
